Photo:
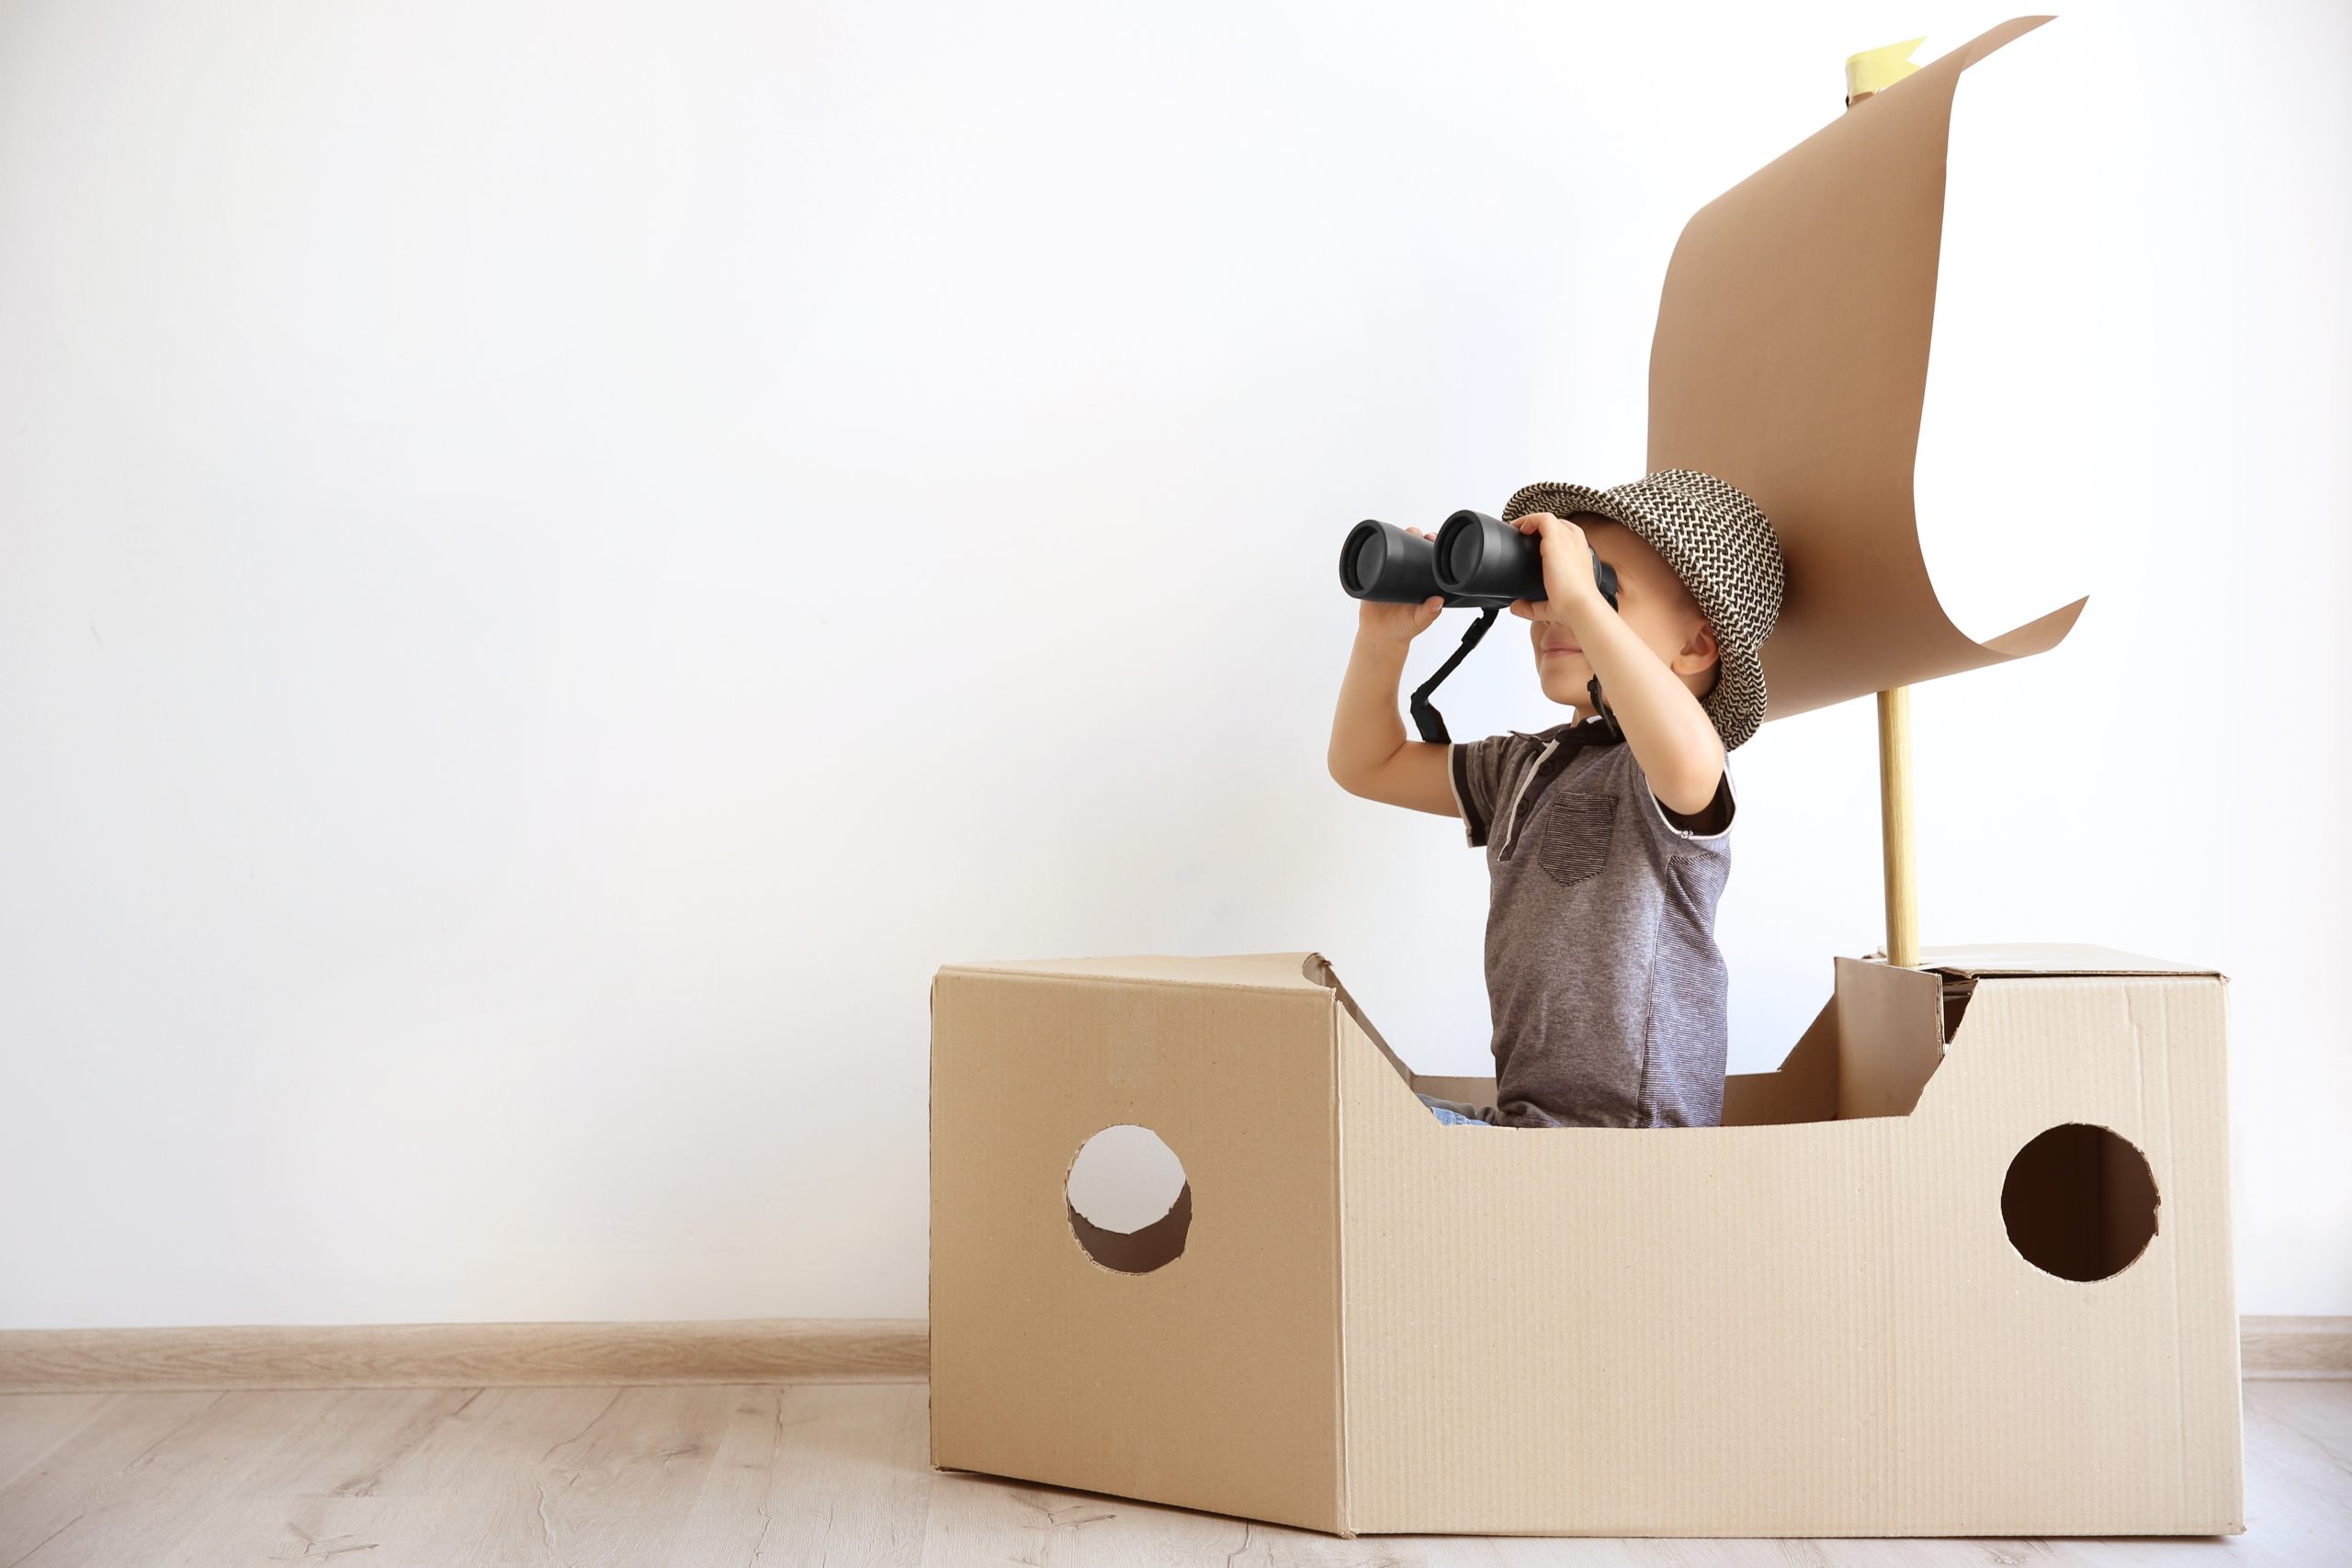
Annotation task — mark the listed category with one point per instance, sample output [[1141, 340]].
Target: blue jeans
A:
[[1450, 1118]]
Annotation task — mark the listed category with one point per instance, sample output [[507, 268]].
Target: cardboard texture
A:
[[1814, 1321], [1792, 359]]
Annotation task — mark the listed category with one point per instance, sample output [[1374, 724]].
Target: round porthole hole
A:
[[2079, 1202], [1130, 1203]]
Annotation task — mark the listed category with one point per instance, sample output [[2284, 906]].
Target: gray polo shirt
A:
[[1609, 994]]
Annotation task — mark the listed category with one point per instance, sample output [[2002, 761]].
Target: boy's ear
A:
[[1701, 644]]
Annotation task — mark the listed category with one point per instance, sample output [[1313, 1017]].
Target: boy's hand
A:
[[1398, 623], [1568, 581]]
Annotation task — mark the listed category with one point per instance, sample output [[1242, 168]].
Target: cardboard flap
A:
[[1247, 971], [1319, 969], [1791, 360], [1978, 960], [1890, 1037]]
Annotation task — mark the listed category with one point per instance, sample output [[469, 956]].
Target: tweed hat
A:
[[1718, 542]]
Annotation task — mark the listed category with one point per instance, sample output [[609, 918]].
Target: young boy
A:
[[1605, 857]]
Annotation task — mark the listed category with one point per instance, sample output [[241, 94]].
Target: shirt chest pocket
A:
[[1574, 844]]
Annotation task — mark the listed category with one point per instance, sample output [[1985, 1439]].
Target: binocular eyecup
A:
[[1476, 560]]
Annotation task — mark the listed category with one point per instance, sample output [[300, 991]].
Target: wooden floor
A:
[[813, 1473]]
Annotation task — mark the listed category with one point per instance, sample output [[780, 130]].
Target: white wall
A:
[[556, 561]]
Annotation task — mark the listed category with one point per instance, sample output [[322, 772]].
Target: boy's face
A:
[[1650, 599]]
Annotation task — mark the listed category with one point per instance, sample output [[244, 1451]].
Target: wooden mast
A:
[[1895, 826], [1865, 73]]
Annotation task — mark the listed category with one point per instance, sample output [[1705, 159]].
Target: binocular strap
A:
[[1431, 724], [1427, 719]]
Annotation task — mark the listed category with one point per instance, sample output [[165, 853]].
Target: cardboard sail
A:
[[1792, 359]]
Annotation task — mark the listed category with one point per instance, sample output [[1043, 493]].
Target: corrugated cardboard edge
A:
[[1231, 971], [1317, 968], [1986, 960], [930, 1206]]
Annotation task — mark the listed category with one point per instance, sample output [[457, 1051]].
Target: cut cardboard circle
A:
[[2080, 1202], [1130, 1204]]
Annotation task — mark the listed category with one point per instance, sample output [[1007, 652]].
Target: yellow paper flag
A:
[[1875, 70]]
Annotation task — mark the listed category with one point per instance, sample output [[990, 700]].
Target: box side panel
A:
[[1210, 1381], [1817, 1328], [2051, 1404], [1604, 1331]]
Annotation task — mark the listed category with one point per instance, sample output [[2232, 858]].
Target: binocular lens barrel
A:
[[1476, 559], [1381, 561], [1486, 559]]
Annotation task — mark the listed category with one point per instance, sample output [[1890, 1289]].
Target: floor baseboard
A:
[[466, 1355], [2295, 1346], [757, 1350]]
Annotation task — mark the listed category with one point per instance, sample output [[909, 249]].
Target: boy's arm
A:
[[1369, 754], [1668, 729], [1672, 738]]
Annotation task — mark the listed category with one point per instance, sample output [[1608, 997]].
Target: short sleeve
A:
[[1714, 822], [1476, 769]]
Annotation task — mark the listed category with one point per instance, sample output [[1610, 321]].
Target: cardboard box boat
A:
[[1909, 1289]]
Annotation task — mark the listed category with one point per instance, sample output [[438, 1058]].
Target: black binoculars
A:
[[1476, 560]]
